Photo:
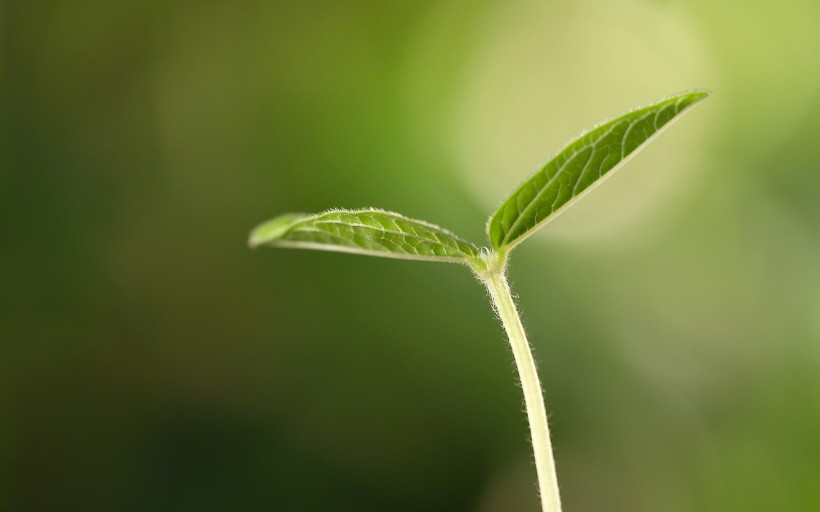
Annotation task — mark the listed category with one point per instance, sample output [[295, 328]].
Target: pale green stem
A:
[[495, 280]]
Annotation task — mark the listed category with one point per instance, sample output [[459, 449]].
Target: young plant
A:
[[570, 174]]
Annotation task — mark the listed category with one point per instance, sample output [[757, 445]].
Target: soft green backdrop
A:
[[150, 361]]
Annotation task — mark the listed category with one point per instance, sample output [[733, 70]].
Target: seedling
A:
[[571, 173]]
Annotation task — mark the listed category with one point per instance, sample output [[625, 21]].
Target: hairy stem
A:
[[495, 280]]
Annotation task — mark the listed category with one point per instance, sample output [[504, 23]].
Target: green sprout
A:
[[571, 173]]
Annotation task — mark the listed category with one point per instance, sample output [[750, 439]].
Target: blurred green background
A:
[[150, 361]]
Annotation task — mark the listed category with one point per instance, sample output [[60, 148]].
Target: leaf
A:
[[369, 231], [582, 162]]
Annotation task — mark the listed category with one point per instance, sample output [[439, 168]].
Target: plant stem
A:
[[495, 279]]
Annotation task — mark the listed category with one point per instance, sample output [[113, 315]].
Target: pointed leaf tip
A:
[[274, 229]]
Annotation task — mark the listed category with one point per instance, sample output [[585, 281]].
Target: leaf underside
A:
[[368, 231], [581, 163]]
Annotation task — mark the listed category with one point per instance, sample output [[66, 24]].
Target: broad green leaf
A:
[[372, 232], [582, 162]]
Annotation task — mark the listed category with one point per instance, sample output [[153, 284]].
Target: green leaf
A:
[[369, 231], [582, 162]]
